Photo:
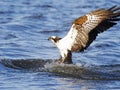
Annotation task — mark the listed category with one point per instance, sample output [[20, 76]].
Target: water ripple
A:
[[25, 26]]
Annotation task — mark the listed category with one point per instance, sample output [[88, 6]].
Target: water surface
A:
[[25, 26]]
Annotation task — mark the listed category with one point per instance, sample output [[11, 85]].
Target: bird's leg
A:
[[60, 60], [67, 59]]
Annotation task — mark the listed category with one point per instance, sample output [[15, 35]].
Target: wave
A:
[[102, 72]]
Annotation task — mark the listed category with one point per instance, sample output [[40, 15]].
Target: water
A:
[[25, 26]]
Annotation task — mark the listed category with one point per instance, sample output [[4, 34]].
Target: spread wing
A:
[[87, 27]]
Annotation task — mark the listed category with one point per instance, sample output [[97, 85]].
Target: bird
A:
[[84, 31]]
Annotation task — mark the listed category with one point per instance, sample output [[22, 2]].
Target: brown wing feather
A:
[[90, 25]]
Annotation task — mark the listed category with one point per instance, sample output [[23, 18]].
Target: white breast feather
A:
[[67, 42]]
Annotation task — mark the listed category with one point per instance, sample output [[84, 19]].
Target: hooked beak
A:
[[49, 38]]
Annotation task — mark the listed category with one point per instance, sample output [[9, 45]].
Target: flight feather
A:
[[84, 31], [90, 25]]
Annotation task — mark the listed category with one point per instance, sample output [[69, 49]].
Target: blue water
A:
[[25, 26]]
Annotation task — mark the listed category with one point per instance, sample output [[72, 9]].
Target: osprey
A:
[[84, 31]]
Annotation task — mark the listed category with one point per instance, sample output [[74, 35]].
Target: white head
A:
[[54, 39]]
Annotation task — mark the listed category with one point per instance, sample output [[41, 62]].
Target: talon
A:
[[59, 62], [64, 61]]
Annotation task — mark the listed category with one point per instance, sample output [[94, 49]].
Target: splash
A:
[[103, 72]]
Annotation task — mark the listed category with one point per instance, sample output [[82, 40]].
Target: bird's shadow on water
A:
[[103, 72]]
